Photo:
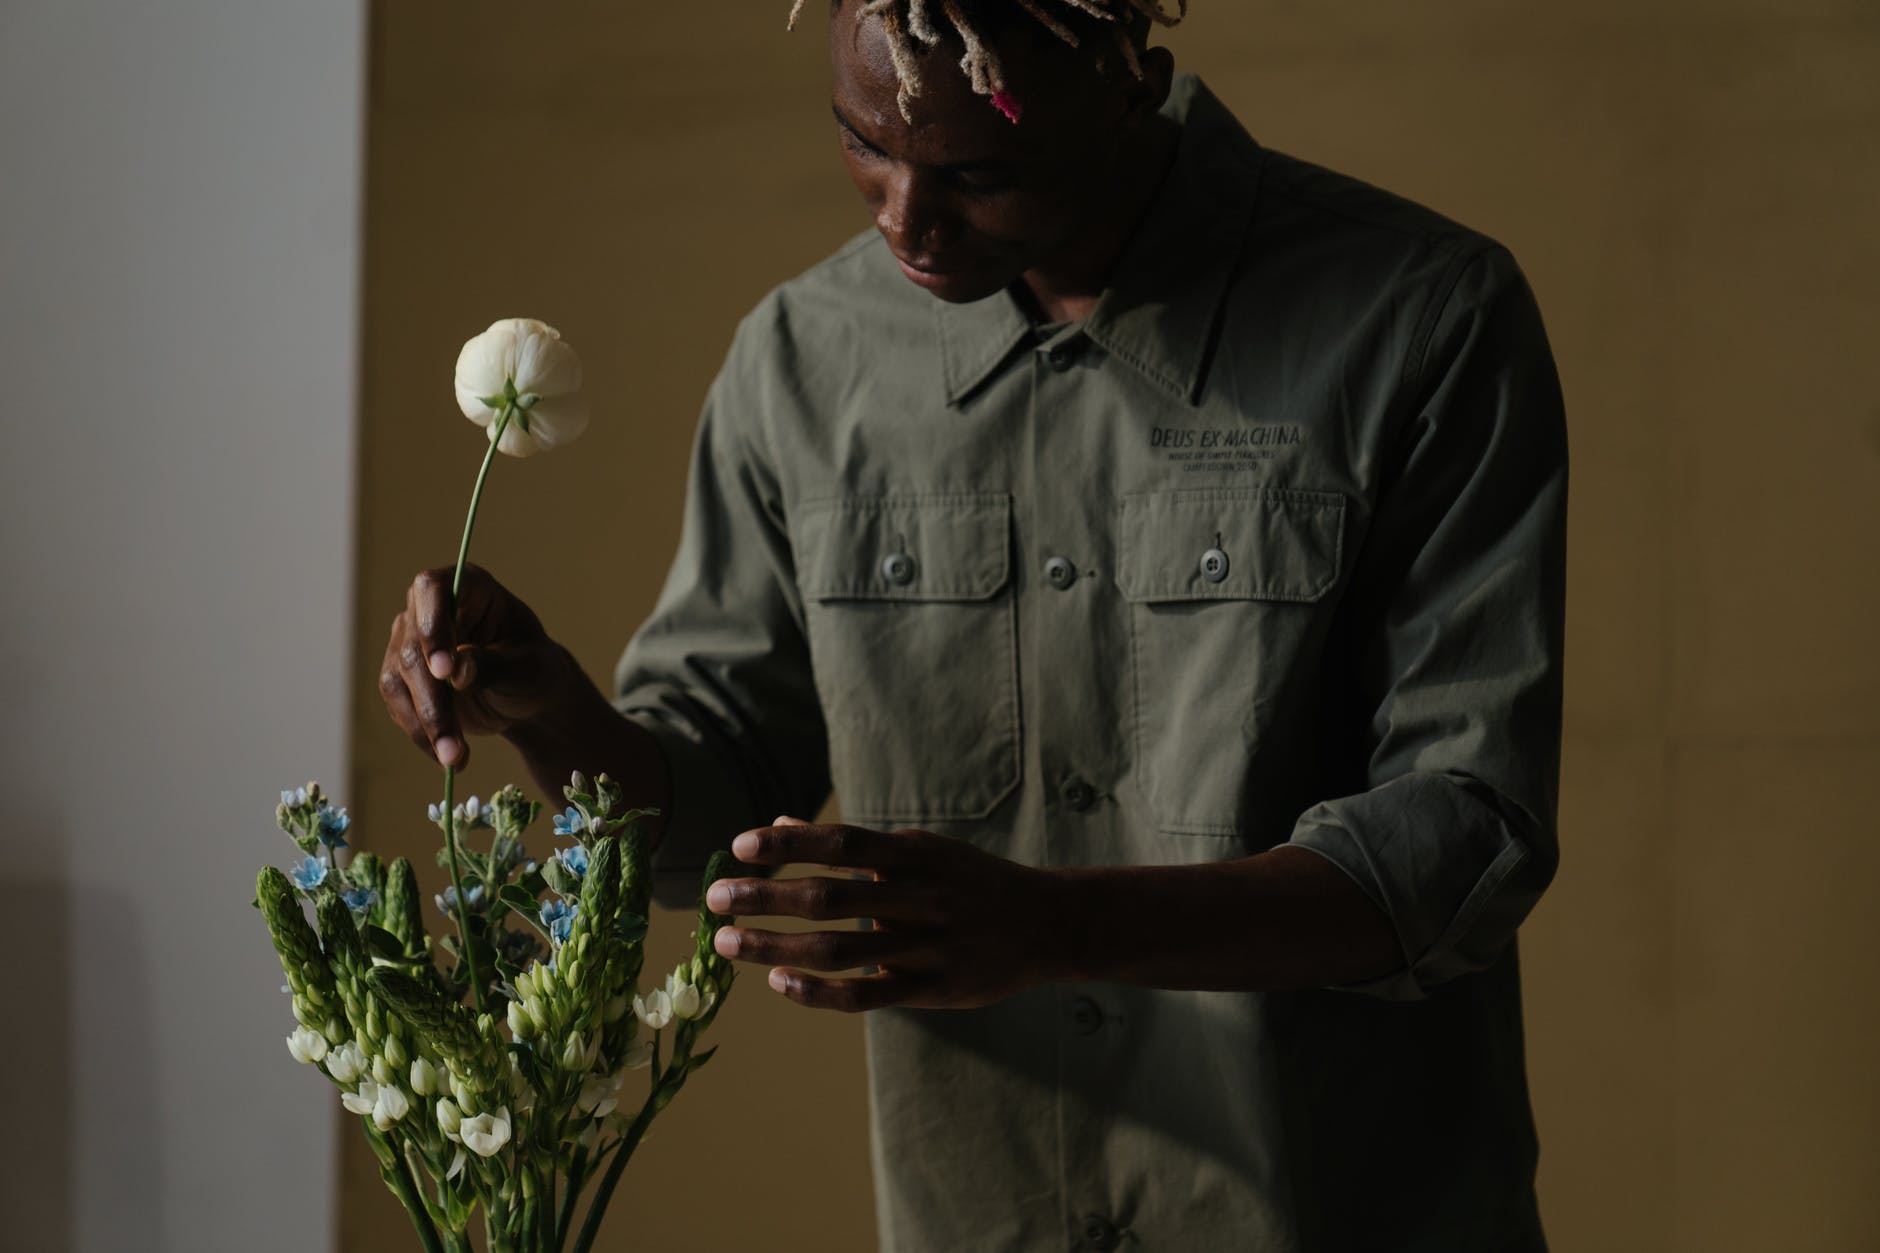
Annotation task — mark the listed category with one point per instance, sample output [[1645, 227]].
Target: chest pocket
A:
[[913, 639], [1225, 588]]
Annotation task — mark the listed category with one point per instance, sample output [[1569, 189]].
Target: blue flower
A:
[[558, 919], [574, 860], [447, 903], [359, 900], [309, 874], [570, 822], [330, 826]]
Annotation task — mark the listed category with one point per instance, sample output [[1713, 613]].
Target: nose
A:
[[911, 217]]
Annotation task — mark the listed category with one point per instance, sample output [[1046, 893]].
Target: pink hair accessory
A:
[[1004, 103]]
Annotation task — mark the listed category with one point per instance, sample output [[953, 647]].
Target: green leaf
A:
[[559, 881], [518, 899], [630, 929], [383, 943], [693, 1063]]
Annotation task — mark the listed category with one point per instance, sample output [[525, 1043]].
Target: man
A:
[[1159, 542]]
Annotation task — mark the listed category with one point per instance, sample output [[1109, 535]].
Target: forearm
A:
[[585, 732], [1286, 918]]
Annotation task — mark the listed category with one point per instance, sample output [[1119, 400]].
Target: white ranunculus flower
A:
[[307, 1045], [523, 360], [486, 1134]]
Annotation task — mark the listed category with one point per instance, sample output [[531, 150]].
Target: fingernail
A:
[[718, 898], [745, 846], [440, 664], [778, 982], [449, 750], [726, 941]]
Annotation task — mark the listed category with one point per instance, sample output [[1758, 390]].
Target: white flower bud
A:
[[615, 1009], [389, 1106], [346, 1063], [306, 1046], [449, 1117], [521, 1022], [578, 1054], [461, 1089], [424, 1079], [686, 1002], [382, 1071], [395, 1052], [362, 1101]]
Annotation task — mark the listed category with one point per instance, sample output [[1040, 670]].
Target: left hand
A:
[[954, 927]]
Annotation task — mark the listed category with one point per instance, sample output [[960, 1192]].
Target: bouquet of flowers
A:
[[515, 1110]]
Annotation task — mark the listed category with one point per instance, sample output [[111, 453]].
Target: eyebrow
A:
[[950, 167]]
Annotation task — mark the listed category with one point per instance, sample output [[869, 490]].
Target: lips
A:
[[927, 266]]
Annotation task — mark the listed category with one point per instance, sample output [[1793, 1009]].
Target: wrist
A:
[[1068, 930]]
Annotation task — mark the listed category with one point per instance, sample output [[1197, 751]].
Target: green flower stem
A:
[[564, 1219], [597, 1209], [450, 772], [398, 1177]]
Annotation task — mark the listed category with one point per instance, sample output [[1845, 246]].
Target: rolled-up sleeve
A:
[[720, 672], [1462, 582]]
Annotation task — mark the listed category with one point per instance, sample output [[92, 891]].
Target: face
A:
[[967, 200]]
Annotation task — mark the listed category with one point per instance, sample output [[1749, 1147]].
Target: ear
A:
[[1145, 96]]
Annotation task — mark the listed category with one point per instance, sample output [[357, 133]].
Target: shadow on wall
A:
[[49, 1158], [36, 1192]]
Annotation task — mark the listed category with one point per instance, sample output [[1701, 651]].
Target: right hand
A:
[[482, 671]]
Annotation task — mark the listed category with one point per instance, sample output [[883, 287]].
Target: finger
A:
[[821, 899], [821, 950], [398, 703], [849, 995], [431, 701], [432, 610], [835, 844], [514, 668]]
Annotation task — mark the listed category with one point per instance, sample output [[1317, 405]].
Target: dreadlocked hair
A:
[[912, 26]]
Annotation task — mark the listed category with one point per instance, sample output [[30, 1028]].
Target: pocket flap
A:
[[1256, 543], [934, 546]]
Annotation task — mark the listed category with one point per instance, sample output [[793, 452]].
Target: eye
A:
[[857, 145], [983, 181]]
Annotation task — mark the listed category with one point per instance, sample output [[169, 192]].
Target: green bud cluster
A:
[[310, 979]]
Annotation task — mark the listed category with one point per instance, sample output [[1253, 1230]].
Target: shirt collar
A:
[[1161, 311]]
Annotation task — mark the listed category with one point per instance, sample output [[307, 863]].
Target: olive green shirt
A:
[[1268, 549]]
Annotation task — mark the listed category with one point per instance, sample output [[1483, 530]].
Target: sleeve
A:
[[1459, 643], [720, 672]]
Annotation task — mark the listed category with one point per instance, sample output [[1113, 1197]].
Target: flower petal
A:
[[555, 420], [545, 364]]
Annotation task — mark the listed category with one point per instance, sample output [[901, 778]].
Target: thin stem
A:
[[450, 772], [398, 1175], [564, 1218], [597, 1209]]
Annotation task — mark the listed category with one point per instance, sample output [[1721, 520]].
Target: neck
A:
[[1066, 288]]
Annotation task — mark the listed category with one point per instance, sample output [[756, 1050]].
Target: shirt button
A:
[[1100, 1233], [1078, 794], [898, 568], [1086, 1016], [1214, 565], [1060, 572], [1060, 359]]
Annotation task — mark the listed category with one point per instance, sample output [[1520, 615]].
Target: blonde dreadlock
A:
[[907, 23]]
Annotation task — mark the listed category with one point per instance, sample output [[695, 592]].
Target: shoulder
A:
[[1330, 240]]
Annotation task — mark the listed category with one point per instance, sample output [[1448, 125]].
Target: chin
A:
[[958, 287]]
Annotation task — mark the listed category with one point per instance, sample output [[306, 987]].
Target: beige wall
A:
[[1693, 192]]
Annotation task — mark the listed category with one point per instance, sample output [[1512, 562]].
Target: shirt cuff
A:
[[1439, 861]]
